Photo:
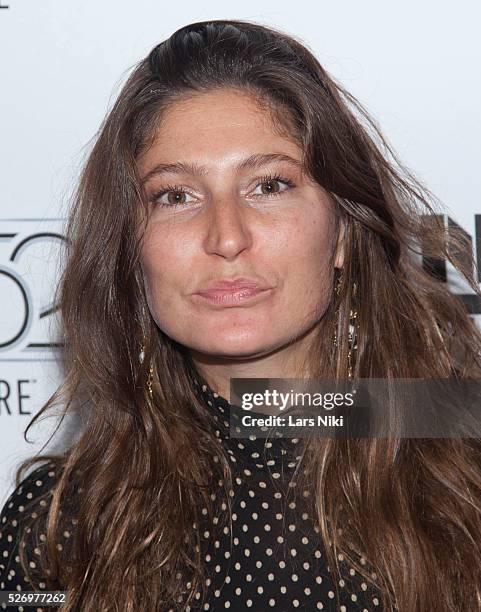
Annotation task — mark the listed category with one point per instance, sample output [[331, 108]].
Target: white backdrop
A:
[[414, 65]]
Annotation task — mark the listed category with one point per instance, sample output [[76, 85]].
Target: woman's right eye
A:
[[175, 197]]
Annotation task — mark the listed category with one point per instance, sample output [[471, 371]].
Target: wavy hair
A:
[[145, 466]]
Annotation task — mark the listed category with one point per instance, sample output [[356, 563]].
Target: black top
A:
[[272, 558]]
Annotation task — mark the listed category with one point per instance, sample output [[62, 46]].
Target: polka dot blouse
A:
[[269, 557]]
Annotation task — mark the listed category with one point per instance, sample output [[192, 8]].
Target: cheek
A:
[[166, 252], [308, 246], [162, 285], [162, 267]]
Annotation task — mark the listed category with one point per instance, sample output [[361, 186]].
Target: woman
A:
[[231, 154]]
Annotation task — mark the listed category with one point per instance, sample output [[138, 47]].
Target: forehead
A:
[[217, 128]]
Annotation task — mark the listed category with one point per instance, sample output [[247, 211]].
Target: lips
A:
[[230, 298], [224, 293], [231, 285]]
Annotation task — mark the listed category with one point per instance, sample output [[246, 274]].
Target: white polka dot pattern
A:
[[270, 557], [24, 501]]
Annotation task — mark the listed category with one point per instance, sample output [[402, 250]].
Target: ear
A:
[[339, 257]]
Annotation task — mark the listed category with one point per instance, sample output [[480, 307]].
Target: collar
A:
[[254, 449]]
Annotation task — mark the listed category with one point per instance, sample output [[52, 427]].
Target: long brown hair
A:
[[144, 465]]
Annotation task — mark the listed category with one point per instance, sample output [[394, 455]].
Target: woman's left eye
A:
[[271, 182]]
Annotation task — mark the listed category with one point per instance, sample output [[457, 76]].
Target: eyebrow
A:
[[253, 161]]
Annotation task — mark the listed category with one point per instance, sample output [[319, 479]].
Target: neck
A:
[[286, 362]]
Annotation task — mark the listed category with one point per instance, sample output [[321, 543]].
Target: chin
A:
[[239, 348]]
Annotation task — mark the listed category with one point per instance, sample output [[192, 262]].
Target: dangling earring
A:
[[150, 376], [353, 327]]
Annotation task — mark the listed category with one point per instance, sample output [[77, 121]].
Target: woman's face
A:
[[234, 204]]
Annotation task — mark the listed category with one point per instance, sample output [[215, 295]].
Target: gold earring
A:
[[150, 376], [353, 327]]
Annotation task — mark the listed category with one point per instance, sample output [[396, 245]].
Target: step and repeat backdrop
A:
[[415, 66]]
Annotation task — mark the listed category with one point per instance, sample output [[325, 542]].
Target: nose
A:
[[228, 232]]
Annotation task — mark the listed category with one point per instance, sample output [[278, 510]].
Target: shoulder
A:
[[29, 500], [28, 494]]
